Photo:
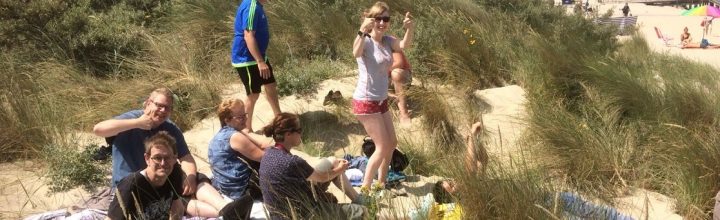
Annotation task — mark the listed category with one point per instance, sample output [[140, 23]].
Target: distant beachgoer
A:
[[401, 74], [626, 10], [148, 194], [704, 44], [685, 37], [128, 132], [285, 179], [234, 155], [708, 26], [373, 52], [252, 36]]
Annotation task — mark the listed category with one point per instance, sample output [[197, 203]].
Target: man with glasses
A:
[[131, 129], [148, 194]]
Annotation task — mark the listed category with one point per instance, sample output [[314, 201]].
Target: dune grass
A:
[[610, 116]]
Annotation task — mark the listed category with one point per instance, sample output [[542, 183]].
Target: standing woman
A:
[[373, 51]]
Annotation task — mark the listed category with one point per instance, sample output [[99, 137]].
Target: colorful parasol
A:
[[704, 10]]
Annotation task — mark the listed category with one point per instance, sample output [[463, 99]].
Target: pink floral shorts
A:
[[369, 107]]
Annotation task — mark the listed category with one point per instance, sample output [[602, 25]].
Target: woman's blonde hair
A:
[[377, 9], [224, 112]]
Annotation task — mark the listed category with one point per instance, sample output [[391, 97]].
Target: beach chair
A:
[[665, 39]]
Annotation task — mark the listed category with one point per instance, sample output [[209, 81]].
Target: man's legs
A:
[[272, 96], [400, 78], [249, 107]]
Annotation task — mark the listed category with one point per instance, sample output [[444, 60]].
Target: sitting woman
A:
[[685, 37], [234, 155], [285, 178]]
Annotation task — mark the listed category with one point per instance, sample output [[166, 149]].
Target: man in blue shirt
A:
[[250, 43], [129, 132]]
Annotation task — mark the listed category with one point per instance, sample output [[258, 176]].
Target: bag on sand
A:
[[398, 162]]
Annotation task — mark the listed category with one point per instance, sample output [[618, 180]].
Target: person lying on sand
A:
[[704, 44]]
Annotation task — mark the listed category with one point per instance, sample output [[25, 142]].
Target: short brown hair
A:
[[224, 112], [164, 91], [163, 139]]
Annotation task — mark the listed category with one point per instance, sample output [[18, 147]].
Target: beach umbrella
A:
[[704, 10]]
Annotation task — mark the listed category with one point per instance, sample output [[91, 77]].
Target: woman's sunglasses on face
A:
[[382, 18]]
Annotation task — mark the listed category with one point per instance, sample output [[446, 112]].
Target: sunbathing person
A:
[[704, 44], [285, 178], [234, 155], [441, 204]]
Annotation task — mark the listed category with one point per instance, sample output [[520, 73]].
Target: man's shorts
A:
[[250, 77], [369, 107]]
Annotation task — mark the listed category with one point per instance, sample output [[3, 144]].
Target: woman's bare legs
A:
[[382, 131], [208, 202]]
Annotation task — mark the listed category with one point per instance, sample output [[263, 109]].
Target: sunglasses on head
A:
[[383, 18]]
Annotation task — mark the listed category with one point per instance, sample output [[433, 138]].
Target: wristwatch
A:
[[362, 34]]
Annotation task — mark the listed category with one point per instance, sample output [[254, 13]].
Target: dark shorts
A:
[[250, 77]]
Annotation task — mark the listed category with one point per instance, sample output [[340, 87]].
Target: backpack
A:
[[398, 162]]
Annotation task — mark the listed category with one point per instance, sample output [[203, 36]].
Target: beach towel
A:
[[355, 176]]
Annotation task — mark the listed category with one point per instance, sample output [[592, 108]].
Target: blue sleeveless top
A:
[[230, 174]]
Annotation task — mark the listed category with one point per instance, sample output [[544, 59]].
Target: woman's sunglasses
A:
[[384, 19]]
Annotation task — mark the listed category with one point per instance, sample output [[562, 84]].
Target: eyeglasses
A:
[[162, 106], [160, 159], [382, 18]]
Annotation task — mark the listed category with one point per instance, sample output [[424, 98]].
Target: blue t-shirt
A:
[[128, 147], [230, 173], [250, 16]]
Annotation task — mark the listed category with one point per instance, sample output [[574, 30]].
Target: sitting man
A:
[[130, 129], [234, 155], [400, 75], [148, 194]]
